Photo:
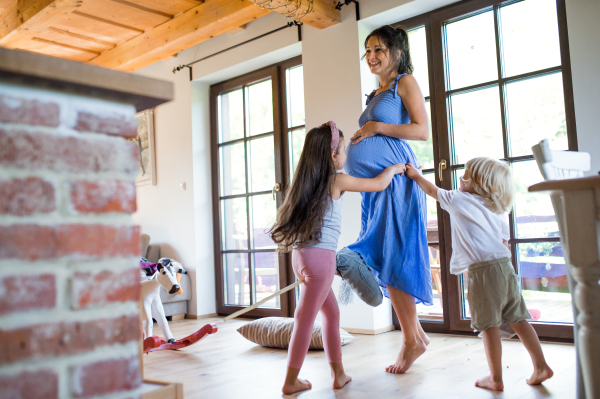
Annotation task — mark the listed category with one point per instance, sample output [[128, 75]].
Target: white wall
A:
[[584, 47], [164, 212], [334, 90]]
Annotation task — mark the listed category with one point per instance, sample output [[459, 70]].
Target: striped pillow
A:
[[275, 332]]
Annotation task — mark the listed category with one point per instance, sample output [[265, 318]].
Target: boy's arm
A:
[[415, 174], [345, 182]]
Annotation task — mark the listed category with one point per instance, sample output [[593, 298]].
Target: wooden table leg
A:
[[583, 240], [557, 204]]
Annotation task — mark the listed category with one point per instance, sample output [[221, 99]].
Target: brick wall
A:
[[69, 279]]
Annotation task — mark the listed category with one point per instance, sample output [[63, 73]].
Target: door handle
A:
[[441, 167], [276, 187]]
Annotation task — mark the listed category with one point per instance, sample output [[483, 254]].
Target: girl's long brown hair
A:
[[300, 218]]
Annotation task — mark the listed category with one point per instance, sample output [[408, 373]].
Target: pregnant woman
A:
[[393, 236]]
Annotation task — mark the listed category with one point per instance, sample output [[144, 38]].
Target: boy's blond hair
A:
[[493, 181]]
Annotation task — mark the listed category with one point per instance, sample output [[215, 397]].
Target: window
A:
[[250, 124], [496, 82]]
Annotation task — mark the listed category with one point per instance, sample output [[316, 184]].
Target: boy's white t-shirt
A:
[[477, 232]]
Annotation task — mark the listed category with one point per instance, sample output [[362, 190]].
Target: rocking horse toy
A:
[[165, 275]]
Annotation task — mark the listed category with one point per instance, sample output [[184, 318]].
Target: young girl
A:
[[309, 223], [479, 244]]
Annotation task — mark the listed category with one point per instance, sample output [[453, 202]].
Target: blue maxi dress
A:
[[393, 235]]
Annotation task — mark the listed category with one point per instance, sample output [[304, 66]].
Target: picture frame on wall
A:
[[147, 153]]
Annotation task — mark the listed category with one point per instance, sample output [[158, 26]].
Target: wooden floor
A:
[[226, 365]]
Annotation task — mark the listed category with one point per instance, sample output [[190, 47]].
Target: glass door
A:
[[500, 90], [248, 175], [424, 150]]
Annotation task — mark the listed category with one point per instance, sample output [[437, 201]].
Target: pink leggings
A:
[[317, 267]]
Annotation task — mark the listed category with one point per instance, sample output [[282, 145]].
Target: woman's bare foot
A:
[[407, 356], [489, 383], [296, 386], [422, 334], [540, 375], [340, 378]]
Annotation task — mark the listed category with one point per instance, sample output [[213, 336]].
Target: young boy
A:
[[479, 244]]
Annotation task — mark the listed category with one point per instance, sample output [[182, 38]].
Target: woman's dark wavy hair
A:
[[300, 218], [395, 39]]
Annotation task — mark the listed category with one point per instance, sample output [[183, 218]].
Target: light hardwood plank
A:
[[171, 7], [95, 28], [194, 26], [7, 8], [123, 14], [226, 365], [74, 39], [33, 17], [57, 50], [6, 3]]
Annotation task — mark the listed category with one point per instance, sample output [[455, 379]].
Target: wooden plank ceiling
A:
[[130, 34]]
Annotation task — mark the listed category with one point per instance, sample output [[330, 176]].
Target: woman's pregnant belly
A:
[[371, 156]]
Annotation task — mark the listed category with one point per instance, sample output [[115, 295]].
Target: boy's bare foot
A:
[[296, 386], [540, 375], [489, 383], [406, 357]]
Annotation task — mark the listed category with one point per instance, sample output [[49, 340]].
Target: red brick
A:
[[29, 242], [89, 289], [82, 241], [26, 150], [109, 123], [26, 196], [27, 292], [103, 196], [28, 112], [108, 376], [66, 338], [39, 384]]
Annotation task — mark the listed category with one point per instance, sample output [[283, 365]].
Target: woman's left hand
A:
[[369, 129]]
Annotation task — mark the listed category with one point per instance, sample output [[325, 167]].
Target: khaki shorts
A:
[[494, 295]]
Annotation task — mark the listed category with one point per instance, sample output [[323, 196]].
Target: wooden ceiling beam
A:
[[323, 14], [236, 30], [31, 17], [194, 26]]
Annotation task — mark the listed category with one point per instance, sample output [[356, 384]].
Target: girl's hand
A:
[[369, 129], [412, 172], [399, 169]]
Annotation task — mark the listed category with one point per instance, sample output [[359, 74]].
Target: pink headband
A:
[[335, 135]]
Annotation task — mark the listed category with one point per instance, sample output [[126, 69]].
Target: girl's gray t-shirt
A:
[[332, 227]]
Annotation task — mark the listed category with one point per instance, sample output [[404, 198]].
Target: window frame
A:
[[276, 73], [434, 24]]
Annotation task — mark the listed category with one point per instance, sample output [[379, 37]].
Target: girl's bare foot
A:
[[341, 381], [296, 386], [489, 383], [407, 356], [540, 375], [340, 378]]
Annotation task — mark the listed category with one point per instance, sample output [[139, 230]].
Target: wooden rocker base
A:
[[155, 343]]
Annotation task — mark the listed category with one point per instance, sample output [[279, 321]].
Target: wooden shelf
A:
[[22, 67]]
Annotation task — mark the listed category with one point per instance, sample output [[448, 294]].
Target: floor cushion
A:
[[275, 332]]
